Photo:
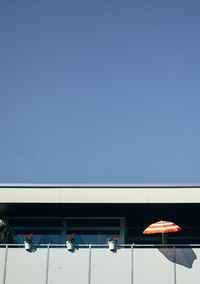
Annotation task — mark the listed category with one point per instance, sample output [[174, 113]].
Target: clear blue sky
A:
[[100, 91]]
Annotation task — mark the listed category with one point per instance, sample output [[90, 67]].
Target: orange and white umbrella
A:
[[162, 227]]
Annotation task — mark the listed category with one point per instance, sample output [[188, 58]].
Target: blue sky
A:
[[99, 91]]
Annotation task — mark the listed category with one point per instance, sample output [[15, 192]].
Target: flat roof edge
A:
[[99, 195], [98, 185]]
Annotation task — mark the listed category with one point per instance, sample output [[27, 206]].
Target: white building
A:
[[95, 213]]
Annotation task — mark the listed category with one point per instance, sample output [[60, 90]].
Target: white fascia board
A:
[[99, 195], [104, 195], [29, 195], [175, 195]]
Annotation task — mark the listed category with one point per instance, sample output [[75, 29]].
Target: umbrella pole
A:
[[163, 239]]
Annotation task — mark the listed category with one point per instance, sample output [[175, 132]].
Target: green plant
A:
[[6, 233], [28, 238], [71, 238], [113, 239]]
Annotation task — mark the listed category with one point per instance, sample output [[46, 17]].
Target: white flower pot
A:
[[111, 245], [70, 246], [27, 245]]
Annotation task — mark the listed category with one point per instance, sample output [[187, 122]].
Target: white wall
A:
[[140, 266]]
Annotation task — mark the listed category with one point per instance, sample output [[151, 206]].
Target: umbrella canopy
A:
[[162, 227]]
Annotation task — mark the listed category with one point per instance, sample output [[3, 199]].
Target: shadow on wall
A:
[[182, 256]]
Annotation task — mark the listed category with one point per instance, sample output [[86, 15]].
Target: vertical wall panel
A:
[[26, 267], [2, 258], [151, 266], [187, 266], [68, 267], [110, 267]]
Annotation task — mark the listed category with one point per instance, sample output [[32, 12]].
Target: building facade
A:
[[96, 213]]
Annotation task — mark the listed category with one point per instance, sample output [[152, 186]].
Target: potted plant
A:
[[28, 240], [112, 243], [70, 241]]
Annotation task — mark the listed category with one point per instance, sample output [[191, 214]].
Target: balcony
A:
[[96, 264]]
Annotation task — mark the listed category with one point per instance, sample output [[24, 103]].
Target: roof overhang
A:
[[99, 194]]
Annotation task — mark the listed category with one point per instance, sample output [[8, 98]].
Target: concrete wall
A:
[[100, 194], [56, 265]]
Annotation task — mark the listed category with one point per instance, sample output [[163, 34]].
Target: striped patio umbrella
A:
[[162, 227]]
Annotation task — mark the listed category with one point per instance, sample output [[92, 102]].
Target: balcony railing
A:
[[96, 264]]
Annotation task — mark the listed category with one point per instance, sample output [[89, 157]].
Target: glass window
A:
[[39, 236], [93, 236], [55, 231], [35, 222], [93, 222]]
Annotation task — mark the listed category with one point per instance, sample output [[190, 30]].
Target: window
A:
[[55, 230]]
